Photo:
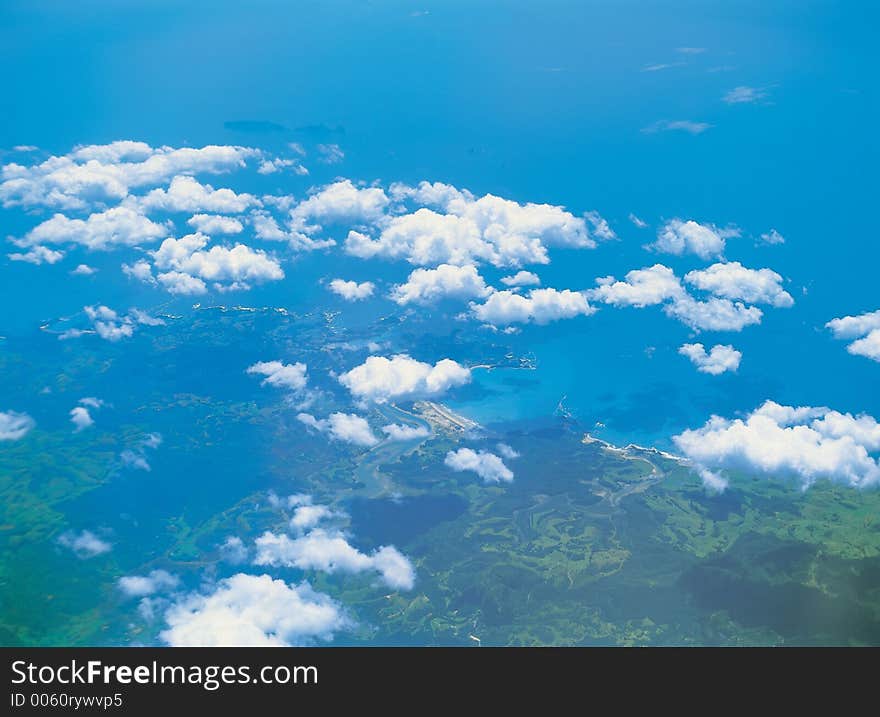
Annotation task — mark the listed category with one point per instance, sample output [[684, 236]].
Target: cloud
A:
[[851, 327], [541, 306], [865, 328], [290, 501], [97, 174], [14, 426], [731, 280], [234, 550], [382, 379], [212, 224], [81, 418], [253, 611], [447, 281], [186, 265], [507, 452], [399, 432], [638, 222], [599, 227], [306, 517], [84, 544], [271, 166], [486, 465], [281, 375], [470, 231], [266, 227], [187, 194], [772, 237], [688, 126], [140, 270], [108, 324], [720, 358], [805, 443], [869, 346], [38, 255], [119, 226], [84, 270], [744, 95], [345, 427], [330, 153], [431, 194], [135, 457], [713, 314], [145, 319], [662, 66], [641, 287], [658, 284], [351, 290], [522, 278], [182, 284], [689, 237], [112, 326], [144, 585], [339, 203], [330, 552]]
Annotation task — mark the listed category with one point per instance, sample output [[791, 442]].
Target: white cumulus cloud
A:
[[81, 418], [103, 174], [720, 358], [869, 346], [108, 324], [212, 224], [381, 379], [485, 464], [228, 268], [689, 237], [400, 432], [187, 194], [330, 552], [306, 517], [119, 226], [14, 425], [352, 290], [339, 203], [253, 611], [864, 328], [731, 280], [149, 584], [522, 278], [713, 314], [37, 255], [427, 286], [640, 287], [853, 327], [461, 229], [802, 443], [281, 375], [540, 306], [85, 544], [345, 427]]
